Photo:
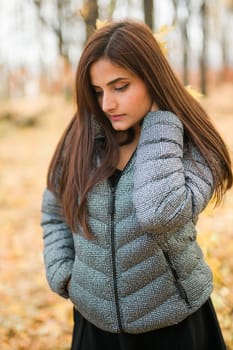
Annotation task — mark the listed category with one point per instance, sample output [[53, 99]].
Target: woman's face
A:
[[121, 94]]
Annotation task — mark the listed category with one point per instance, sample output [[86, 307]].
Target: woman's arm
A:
[[170, 187], [58, 245]]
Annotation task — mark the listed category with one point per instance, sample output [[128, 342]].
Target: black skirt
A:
[[200, 331]]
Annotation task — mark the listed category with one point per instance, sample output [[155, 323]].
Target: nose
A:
[[108, 102]]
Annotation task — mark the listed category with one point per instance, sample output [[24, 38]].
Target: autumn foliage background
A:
[[31, 316]]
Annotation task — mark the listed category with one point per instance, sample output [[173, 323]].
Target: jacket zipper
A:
[[178, 284], [113, 191], [114, 260]]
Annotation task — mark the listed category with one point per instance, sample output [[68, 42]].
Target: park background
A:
[[40, 45]]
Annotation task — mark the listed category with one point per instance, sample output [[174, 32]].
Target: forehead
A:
[[104, 71]]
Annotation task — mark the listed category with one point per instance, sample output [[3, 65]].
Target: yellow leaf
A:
[[163, 30], [159, 36], [99, 24], [196, 94]]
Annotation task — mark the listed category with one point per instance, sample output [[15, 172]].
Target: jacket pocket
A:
[[72, 288], [177, 281]]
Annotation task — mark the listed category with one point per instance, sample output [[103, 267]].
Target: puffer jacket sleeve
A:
[[171, 187], [58, 245]]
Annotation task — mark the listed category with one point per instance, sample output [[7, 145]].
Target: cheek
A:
[[142, 100], [137, 99]]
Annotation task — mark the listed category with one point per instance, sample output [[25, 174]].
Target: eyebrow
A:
[[113, 81]]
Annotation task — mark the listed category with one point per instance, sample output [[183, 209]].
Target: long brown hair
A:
[[131, 45]]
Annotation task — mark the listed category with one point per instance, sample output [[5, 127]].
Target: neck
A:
[[128, 136]]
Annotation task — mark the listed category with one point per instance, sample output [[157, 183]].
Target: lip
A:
[[116, 117]]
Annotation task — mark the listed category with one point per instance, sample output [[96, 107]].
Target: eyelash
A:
[[123, 88]]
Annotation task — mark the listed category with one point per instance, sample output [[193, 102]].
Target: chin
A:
[[120, 127]]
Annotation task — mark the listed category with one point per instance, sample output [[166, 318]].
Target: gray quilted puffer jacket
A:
[[144, 269]]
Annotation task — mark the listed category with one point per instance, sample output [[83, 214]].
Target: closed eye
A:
[[99, 93], [122, 88]]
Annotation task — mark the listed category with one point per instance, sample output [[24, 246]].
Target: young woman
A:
[[137, 164]]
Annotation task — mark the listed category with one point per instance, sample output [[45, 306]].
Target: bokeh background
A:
[[40, 45]]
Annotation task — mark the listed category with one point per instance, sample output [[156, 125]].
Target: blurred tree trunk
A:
[[90, 14], [184, 23], [148, 6], [61, 20], [224, 47], [62, 16], [182, 12], [58, 30], [226, 37], [203, 58], [175, 7], [112, 7]]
